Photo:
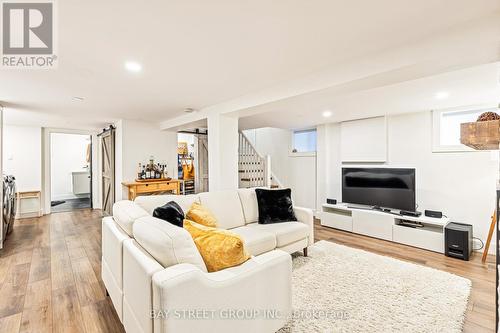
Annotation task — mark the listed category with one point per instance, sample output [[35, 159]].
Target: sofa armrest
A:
[[306, 215], [261, 284]]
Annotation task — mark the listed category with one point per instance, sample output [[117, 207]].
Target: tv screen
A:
[[383, 187]]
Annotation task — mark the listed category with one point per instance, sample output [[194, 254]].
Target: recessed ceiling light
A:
[[133, 66], [442, 95], [78, 99], [189, 110], [327, 113]]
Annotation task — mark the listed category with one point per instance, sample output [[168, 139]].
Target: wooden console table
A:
[[136, 188]]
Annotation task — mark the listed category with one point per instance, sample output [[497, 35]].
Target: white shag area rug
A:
[[341, 289]]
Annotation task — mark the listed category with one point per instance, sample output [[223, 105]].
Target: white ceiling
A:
[[468, 87], [201, 54]]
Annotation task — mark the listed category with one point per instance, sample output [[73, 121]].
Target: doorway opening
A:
[[192, 160], [70, 172]]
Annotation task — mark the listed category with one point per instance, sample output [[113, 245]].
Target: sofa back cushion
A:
[[168, 244], [226, 207], [126, 212], [150, 202], [249, 204]]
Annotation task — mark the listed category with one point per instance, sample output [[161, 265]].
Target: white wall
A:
[[222, 152], [328, 163], [461, 184], [22, 156], [296, 172], [68, 154], [135, 142]]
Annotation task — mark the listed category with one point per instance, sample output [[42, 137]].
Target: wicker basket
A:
[[482, 135]]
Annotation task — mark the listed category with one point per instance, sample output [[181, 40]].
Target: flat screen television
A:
[[382, 187]]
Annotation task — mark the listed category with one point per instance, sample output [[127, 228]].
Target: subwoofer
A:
[[458, 240]]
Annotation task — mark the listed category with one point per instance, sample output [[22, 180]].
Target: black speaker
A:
[[458, 240], [433, 213], [331, 201]]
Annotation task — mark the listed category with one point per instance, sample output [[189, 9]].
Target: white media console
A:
[[384, 225]]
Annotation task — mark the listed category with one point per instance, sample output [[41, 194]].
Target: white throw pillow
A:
[[167, 243]]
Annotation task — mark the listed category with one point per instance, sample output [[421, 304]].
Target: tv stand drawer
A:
[[429, 238], [373, 224], [337, 219]]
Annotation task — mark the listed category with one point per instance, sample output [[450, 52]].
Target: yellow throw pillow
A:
[[201, 215], [219, 249]]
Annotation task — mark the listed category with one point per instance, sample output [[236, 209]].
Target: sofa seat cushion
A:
[[167, 243], [256, 241], [285, 232], [226, 206], [126, 212], [150, 202]]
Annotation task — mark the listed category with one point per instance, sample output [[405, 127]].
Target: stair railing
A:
[[254, 169]]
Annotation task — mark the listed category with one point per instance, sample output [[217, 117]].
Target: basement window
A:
[[446, 127], [304, 142]]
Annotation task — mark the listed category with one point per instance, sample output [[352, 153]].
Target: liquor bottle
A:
[[139, 169], [165, 171], [143, 172], [148, 172]]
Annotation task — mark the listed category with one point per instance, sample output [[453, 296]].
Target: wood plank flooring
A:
[[50, 275]]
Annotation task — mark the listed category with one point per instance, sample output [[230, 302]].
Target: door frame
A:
[[46, 166]]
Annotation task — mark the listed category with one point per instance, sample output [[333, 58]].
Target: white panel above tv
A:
[[364, 140]]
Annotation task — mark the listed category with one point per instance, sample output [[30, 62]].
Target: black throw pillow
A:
[[275, 206], [170, 212]]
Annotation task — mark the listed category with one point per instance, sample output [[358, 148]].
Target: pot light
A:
[[442, 95], [327, 113], [189, 110], [78, 99], [133, 66]]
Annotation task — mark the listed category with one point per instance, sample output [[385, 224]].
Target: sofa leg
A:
[[107, 294], [305, 252]]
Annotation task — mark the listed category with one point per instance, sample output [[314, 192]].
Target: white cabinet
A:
[[429, 235], [81, 182]]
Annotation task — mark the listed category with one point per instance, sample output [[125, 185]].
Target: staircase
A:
[[254, 169]]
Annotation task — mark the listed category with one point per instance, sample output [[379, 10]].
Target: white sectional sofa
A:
[[156, 278]]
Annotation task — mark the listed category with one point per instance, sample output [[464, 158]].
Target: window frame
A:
[[437, 147], [292, 143]]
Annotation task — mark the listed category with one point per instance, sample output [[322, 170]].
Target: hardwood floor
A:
[[50, 275]]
